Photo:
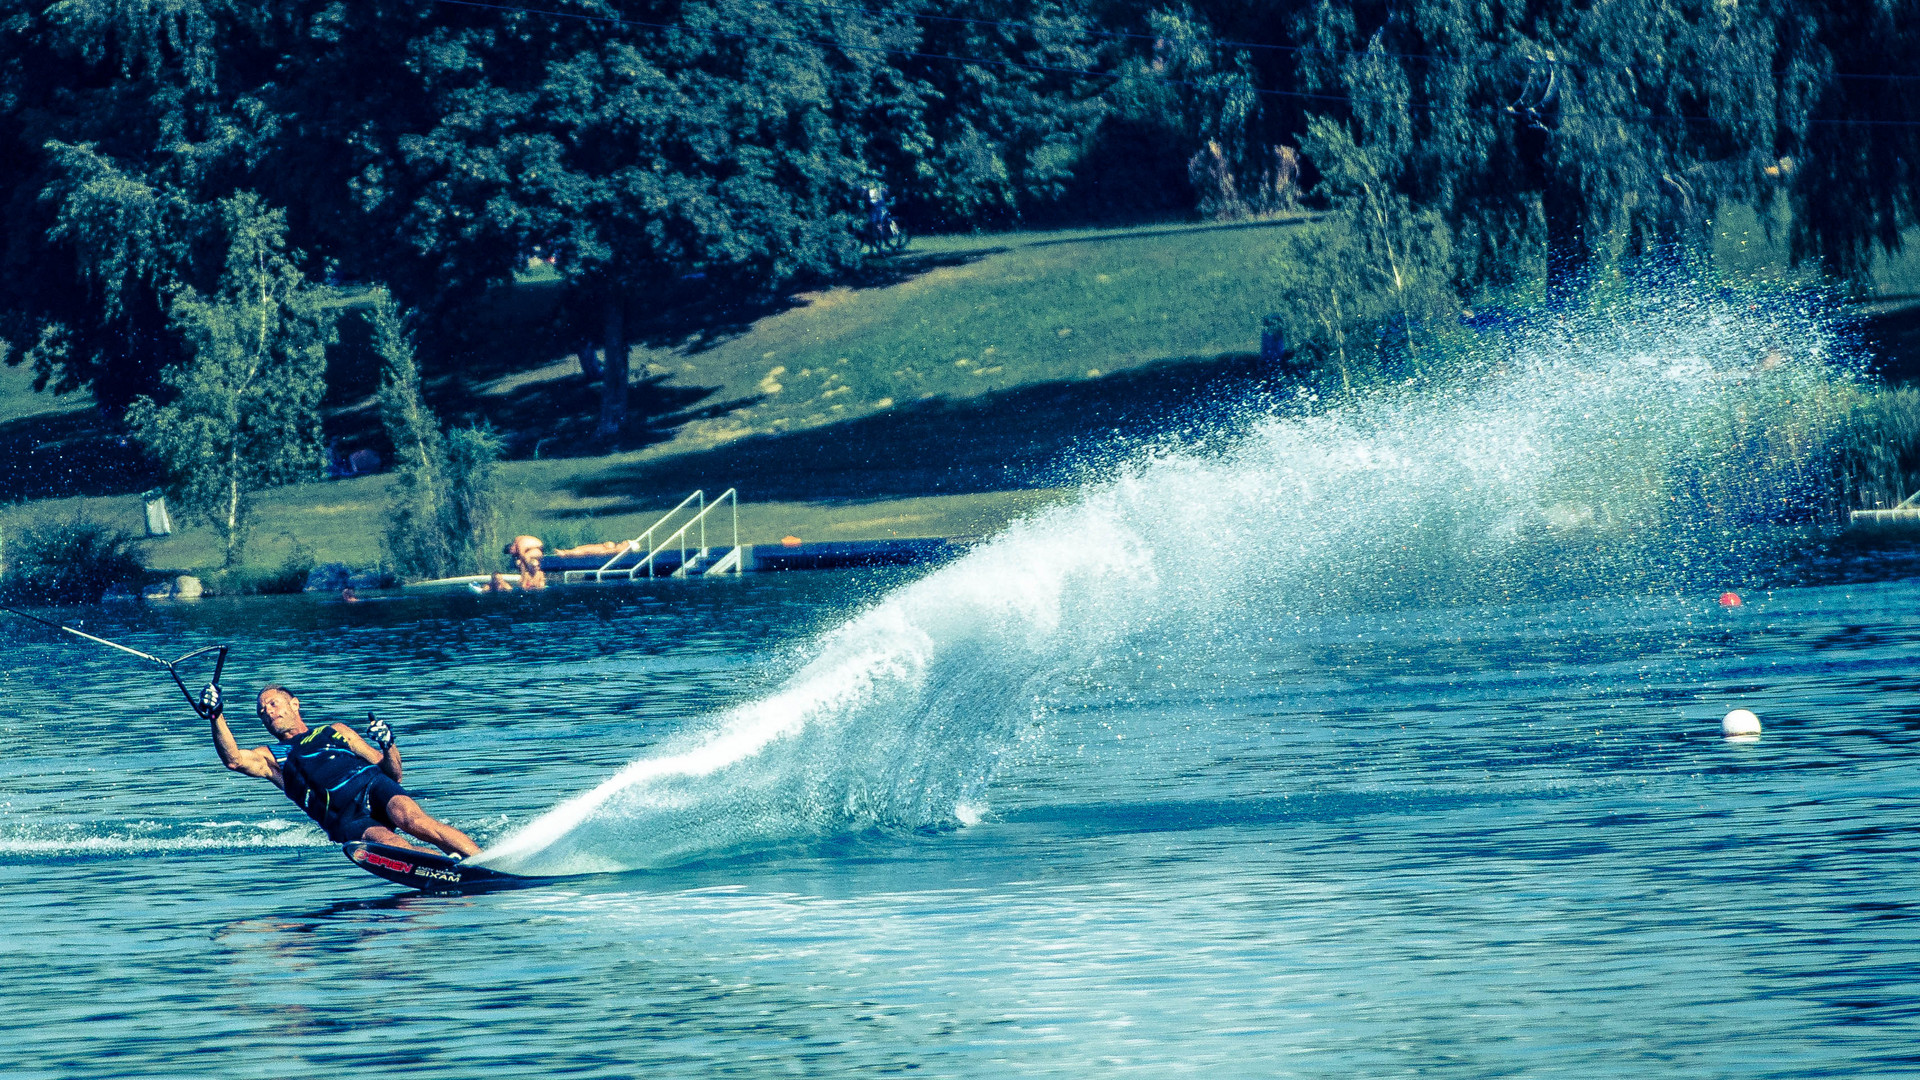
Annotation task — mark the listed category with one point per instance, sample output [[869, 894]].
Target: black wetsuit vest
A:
[[323, 776]]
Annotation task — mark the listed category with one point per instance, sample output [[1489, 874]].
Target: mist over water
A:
[[1650, 449]]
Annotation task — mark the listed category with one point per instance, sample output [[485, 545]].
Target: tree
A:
[[1407, 252], [1181, 94], [122, 142], [421, 539], [472, 453], [715, 155], [443, 514], [1562, 133], [1849, 155], [243, 412], [1004, 125], [1377, 261]]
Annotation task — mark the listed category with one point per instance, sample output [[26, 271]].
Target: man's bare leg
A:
[[380, 834], [406, 814]]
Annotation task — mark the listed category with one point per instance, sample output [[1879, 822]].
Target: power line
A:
[[1297, 95]]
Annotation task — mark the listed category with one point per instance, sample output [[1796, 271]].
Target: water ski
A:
[[428, 870]]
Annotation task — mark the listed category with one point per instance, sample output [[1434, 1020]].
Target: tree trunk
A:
[[233, 511], [613, 381], [1568, 257], [1562, 203]]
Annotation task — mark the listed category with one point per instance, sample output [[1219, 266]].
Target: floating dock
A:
[[685, 552], [775, 558], [754, 559], [1902, 515]]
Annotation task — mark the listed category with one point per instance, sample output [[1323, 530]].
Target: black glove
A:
[[378, 733], [210, 701]]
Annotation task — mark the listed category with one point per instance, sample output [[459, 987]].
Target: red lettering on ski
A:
[[381, 860]]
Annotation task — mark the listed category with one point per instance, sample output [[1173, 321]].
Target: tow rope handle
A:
[[219, 665]]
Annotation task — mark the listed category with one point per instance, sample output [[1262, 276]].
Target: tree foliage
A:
[[1378, 262], [1850, 159], [1003, 128], [443, 517], [243, 412], [700, 150], [1564, 133]]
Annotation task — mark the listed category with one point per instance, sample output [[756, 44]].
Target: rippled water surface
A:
[[1456, 840], [1373, 739]]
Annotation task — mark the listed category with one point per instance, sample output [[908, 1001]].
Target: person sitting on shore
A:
[[349, 788]]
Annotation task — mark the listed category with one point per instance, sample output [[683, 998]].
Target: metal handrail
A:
[[631, 545], [680, 534]]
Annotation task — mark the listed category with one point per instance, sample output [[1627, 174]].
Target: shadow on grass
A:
[[1198, 226], [529, 325], [523, 326], [555, 418], [1893, 339], [1042, 435], [703, 322], [58, 455]]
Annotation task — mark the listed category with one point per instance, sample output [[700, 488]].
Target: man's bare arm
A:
[[256, 762], [389, 762]]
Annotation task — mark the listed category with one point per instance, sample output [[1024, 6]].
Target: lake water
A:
[[1375, 743]]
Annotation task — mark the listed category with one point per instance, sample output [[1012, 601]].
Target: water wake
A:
[[1650, 449], [153, 837]]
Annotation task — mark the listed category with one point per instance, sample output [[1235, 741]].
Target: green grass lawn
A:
[[992, 312], [18, 401], [948, 401]]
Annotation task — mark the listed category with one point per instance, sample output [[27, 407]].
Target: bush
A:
[[74, 562], [444, 514], [472, 454], [1879, 449], [290, 578]]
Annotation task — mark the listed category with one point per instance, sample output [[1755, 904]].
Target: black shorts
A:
[[352, 819]]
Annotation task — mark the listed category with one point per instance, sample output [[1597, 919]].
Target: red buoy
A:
[[1730, 599]]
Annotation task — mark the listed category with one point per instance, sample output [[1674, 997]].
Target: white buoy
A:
[[1740, 724]]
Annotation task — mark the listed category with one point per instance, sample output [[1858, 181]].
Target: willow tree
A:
[[243, 412], [1379, 266], [1555, 135], [1851, 162]]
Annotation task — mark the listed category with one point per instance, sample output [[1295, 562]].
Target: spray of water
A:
[[1642, 450]]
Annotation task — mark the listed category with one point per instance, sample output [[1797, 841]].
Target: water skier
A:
[[351, 789]]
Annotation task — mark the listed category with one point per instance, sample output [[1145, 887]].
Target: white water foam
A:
[[153, 837], [1644, 451]]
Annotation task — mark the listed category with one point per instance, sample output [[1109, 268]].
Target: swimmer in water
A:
[[527, 551]]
